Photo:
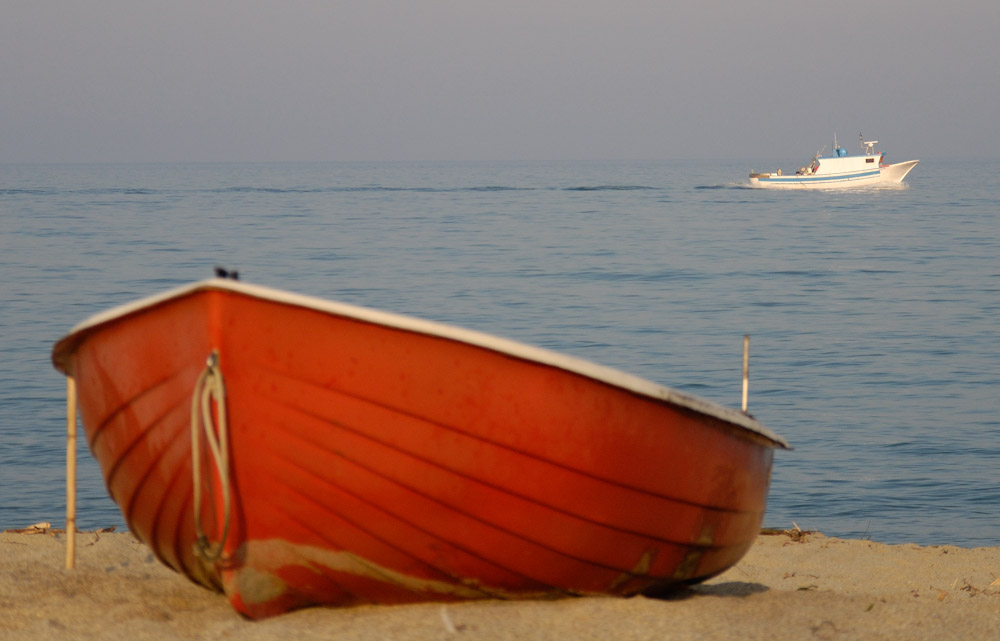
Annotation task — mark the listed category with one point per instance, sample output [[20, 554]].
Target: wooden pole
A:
[[746, 369], [70, 473]]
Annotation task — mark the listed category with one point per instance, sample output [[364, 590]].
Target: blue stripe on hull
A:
[[819, 179]]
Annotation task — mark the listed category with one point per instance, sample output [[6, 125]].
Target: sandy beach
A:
[[787, 587]]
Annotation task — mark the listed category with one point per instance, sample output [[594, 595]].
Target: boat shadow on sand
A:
[[727, 589]]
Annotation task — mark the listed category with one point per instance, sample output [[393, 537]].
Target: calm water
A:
[[875, 346]]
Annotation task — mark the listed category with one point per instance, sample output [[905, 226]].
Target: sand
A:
[[811, 588]]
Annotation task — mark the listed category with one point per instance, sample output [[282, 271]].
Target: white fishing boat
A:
[[840, 171]]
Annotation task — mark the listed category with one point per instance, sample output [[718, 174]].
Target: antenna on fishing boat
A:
[[868, 146], [746, 369]]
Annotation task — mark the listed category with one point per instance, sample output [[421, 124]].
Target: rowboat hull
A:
[[373, 458]]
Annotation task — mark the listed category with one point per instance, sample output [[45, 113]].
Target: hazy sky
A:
[[253, 80]]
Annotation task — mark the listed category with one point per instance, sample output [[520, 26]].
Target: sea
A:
[[873, 315]]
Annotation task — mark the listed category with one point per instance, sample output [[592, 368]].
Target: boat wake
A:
[[734, 185], [610, 188]]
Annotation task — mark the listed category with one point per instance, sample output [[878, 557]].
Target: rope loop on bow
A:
[[208, 423]]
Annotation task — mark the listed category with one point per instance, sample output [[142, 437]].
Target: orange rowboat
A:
[[291, 451]]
